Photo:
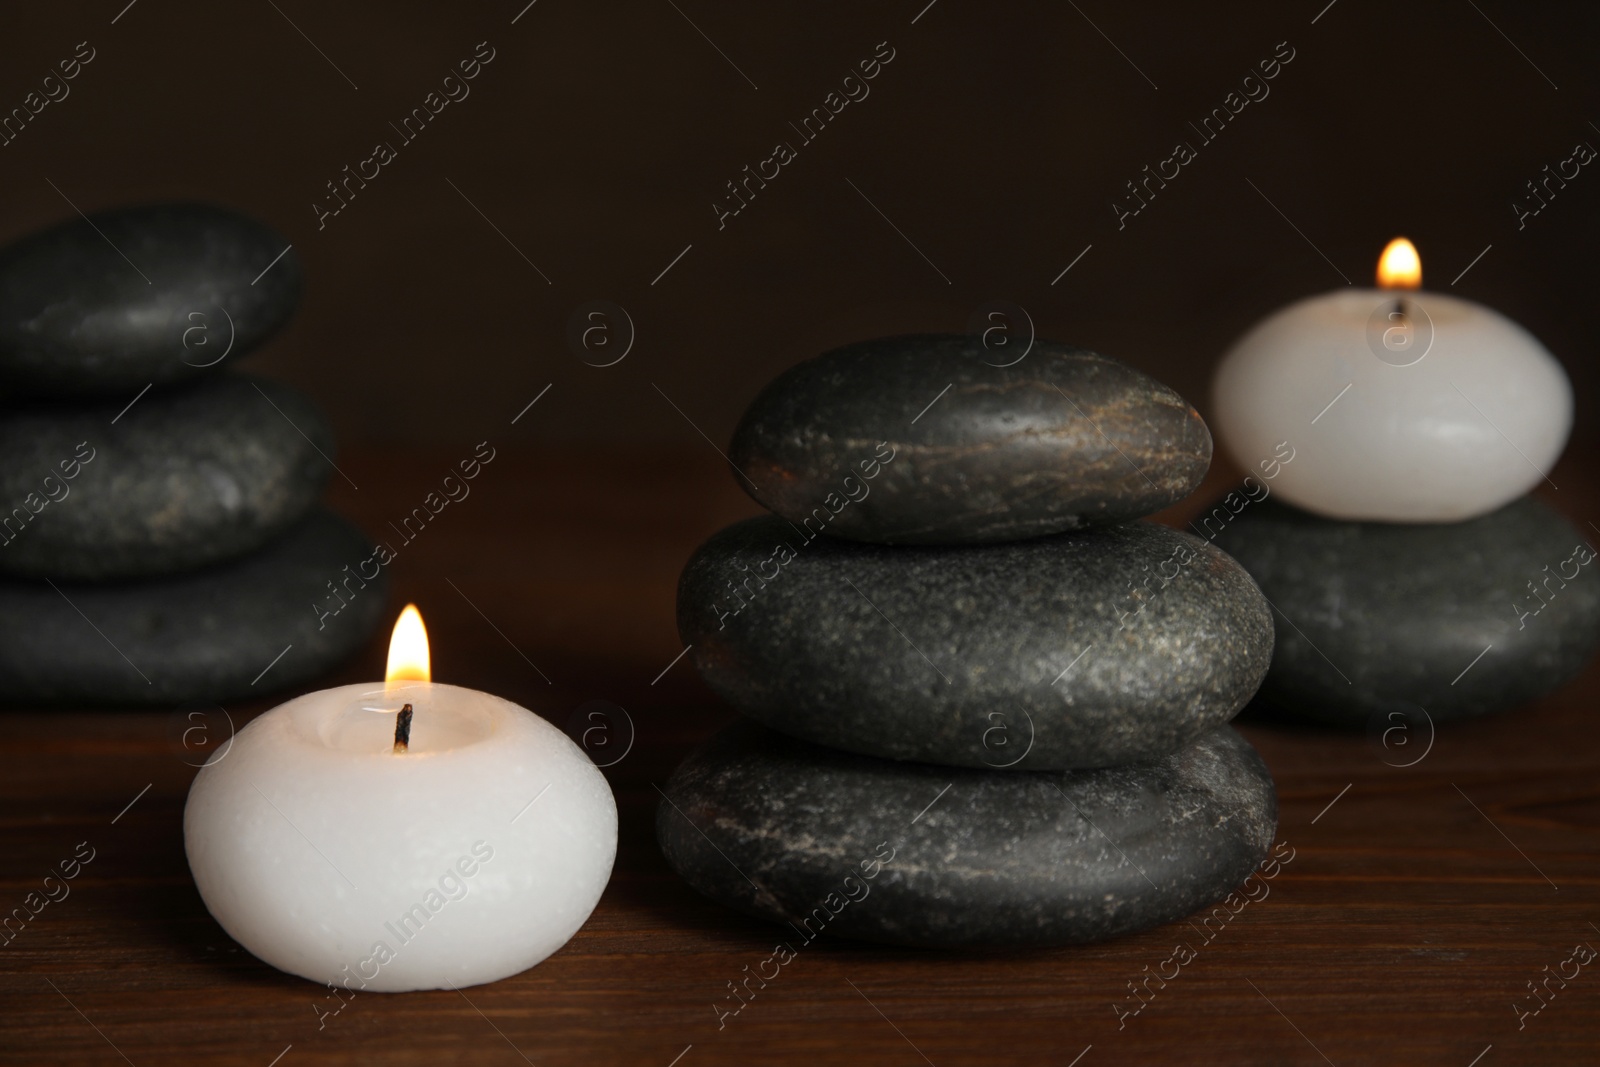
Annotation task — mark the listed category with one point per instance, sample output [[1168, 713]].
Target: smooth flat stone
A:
[[922, 440], [909, 854], [1445, 413], [183, 478], [1387, 615], [207, 635], [1084, 649], [86, 312]]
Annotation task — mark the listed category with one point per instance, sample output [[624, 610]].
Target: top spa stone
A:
[[137, 295], [923, 440]]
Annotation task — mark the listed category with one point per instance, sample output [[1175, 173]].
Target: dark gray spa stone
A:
[[1083, 649], [921, 439], [108, 304], [183, 478], [779, 828], [207, 635], [1378, 617]]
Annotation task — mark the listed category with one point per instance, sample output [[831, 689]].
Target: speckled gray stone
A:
[[923, 440], [109, 304], [944, 858], [207, 635], [1084, 649], [1378, 617], [184, 478]]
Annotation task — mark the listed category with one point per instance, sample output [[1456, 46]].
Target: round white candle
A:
[[471, 856], [1442, 414]]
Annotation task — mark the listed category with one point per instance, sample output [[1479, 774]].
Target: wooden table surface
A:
[[1420, 902]]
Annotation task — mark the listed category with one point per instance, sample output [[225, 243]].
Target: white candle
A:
[[472, 854], [1402, 406]]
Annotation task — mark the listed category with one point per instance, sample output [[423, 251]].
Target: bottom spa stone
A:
[[1384, 624], [941, 857], [242, 628]]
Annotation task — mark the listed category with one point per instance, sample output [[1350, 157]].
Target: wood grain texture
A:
[[1419, 903]]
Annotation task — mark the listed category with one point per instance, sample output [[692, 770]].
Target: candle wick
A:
[[1400, 307], [402, 729]]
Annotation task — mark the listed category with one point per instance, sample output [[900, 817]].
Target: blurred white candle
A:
[[471, 855], [1402, 406]]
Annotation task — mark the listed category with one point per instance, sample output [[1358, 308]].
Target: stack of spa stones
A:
[[161, 541], [985, 706]]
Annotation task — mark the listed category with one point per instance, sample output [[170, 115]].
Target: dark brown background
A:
[[996, 140], [596, 141]]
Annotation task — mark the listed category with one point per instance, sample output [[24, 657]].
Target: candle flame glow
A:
[[408, 649], [1400, 267]]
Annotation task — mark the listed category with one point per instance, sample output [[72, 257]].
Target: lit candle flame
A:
[[408, 649], [1400, 267]]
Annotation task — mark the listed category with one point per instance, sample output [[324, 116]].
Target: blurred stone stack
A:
[[989, 707], [161, 540]]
